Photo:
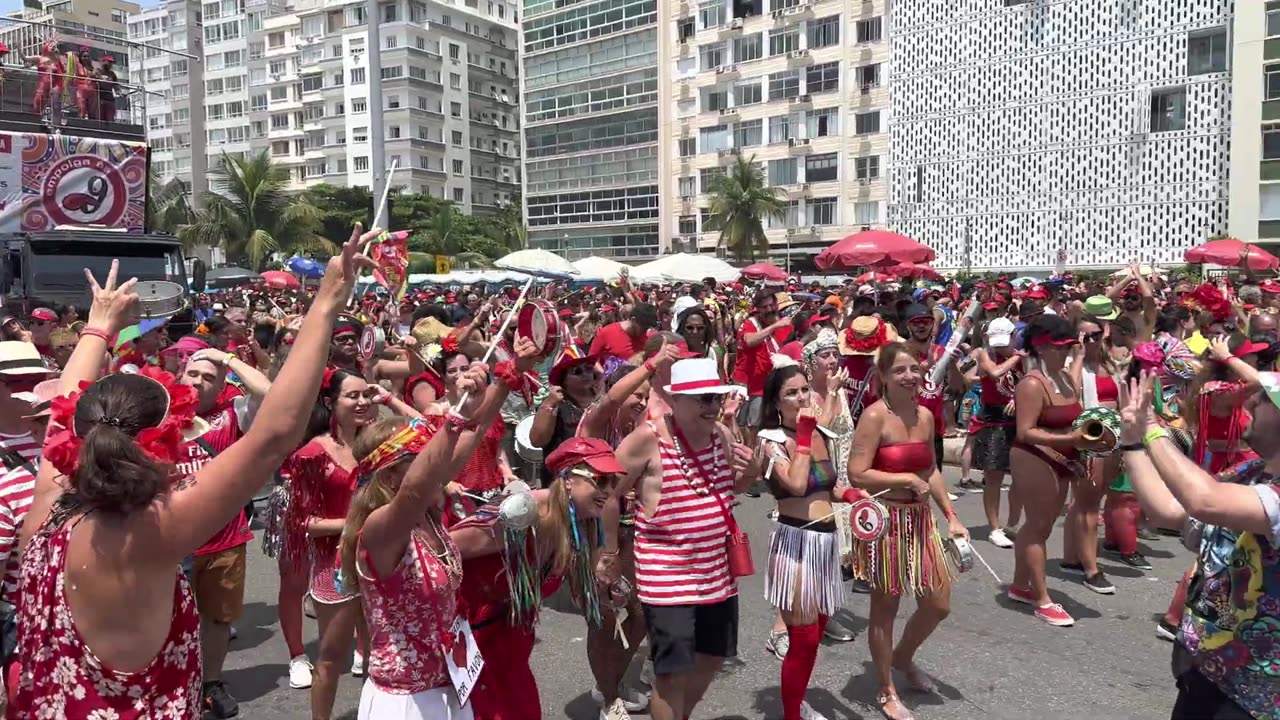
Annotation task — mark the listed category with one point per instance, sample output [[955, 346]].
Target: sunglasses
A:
[[1093, 336], [585, 370], [707, 399], [344, 339]]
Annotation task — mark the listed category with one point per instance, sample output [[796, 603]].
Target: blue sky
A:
[[7, 6]]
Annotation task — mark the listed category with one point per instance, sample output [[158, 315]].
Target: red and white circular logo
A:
[[84, 190]]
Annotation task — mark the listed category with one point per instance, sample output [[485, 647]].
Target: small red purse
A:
[[737, 544]]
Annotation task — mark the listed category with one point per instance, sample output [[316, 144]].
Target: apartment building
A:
[[98, 25], [1028, 135], [591, 93], [1255, 129], [797, 86]]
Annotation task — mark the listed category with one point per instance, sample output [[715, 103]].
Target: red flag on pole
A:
[[391, 254]]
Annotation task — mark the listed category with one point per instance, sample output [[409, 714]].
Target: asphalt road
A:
[[991, 658]]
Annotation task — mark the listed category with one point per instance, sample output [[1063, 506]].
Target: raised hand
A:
[[1136, 399], [114, 308], [526, 353], [343, 269], [472, 383]]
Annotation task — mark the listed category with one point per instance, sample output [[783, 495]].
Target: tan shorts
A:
[[218, 582]]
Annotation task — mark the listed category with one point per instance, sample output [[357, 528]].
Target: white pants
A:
[[435, 704]]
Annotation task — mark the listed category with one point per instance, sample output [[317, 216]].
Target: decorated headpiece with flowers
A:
[[160, 442], [826, 340], [1210, 299]]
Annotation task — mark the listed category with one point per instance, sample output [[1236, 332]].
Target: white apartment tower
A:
[[795, 85], [449, 86], [1029, 134]]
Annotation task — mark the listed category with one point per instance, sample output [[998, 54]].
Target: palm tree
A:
[[168, 207], [250, 213], [740, 203]]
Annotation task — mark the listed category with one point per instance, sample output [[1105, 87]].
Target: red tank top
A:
[[61, 678], [932, 395], [410, 614], [680, 549], [1107, 390]]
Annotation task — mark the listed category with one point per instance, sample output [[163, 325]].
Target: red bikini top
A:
[[1107, 390], [907, 457], [1059, 417]]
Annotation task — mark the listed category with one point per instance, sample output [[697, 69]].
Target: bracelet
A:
[[650, 366], [511, 377], [456, 423], [96, 332], [1131, 447], [227, 360], [949, 513], [1153, 434], [802, 451]]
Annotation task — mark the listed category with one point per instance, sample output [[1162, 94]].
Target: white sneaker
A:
[[808, 713], [633, 700], [952, 496], [357, 665], [300, 673], [616, 711], [232, 632], [999, 539]]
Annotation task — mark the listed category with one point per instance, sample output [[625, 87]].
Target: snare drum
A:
[[538, 321], [372, 342], [868, 520], [524, 447], [159, 298]]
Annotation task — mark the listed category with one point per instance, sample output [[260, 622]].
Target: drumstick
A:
[[493, 342], [382, 205]]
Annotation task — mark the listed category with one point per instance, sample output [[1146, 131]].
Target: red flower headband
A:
[[449, 343], [161, 443], [327, 378], [868, 343]]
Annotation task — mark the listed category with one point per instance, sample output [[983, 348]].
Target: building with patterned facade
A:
[[797, 87], [1255, 129], [1027, 133], [590, 92]]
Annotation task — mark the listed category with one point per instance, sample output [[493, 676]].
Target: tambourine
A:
[[538, 321], [372, 342], [1099, 423], [868, 520], [524, 446], [959, 553], [158, 299]]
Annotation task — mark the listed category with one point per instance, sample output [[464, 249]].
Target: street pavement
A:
[[991, 658]]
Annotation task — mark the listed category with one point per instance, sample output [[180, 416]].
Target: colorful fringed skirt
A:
[[804, 567], [908, 558]]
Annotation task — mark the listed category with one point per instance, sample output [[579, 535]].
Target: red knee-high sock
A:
[[797, 667]]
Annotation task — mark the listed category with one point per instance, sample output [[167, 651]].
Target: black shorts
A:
[[678, 633]]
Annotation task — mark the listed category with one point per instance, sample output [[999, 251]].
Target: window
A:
[[822, 78], [393, 102], [688, 224], [822, 123], [821, 168], [824, 32], [748, 133], [392, 72], [784, 85], [867, 76], [312, 83], [866, 123], [275, 40], [746, 49], [118, 16], [822, 211], [454, 51], [390, 13], [869, 30], [455, 109], [1207, 52], [390, 42], [1169, 109], [783, 41], [233, 58], [712, 56], [713, 99], [782, 172], [708, 177], [1269, 202], [457, 138], [713, 139], [1273, 21], [867, 168], [360, 134], [688, 147], [779, 129], [685, 29], [1271, 142], [747, 93], [866, 213], [457, 167], [357, 76], [689, 186], [393, 132], [279, 94], [711, 14], [258, 103], [362, 163], [359, 105], [790, 216], [457, 195], [279, 121]]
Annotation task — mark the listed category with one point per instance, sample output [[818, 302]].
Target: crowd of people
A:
[[70, 83], [430, 486]]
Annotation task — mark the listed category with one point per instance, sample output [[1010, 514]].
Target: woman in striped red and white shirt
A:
[[684, 469]]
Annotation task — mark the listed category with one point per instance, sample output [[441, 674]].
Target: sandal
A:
[[917, 679], [892, 708]]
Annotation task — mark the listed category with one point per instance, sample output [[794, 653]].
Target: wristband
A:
[[456, 423], [650, 366], [1153, 434], [227, 360], [853, 495], [96, 332], [512, 378], [949, 513], [802, 451], [804, 432]]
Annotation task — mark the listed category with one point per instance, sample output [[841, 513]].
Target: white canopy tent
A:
[[684, 267], [599, 269]]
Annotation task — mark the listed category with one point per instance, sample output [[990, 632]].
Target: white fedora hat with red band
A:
[[697, 376]]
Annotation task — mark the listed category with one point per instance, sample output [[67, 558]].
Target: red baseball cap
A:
[[594, 452], [1270, 286], [44, 314]]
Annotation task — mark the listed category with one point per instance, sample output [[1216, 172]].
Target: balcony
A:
[[16, 112]]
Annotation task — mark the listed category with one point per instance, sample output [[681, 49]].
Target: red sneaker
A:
[[1055, 615], [1022, 595]]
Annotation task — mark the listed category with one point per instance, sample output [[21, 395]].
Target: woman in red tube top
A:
[[1218, 415], [1044, 458], [893, 452]]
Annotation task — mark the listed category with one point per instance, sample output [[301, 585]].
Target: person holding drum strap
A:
[[893, 454], [575, 382], [803, 579]]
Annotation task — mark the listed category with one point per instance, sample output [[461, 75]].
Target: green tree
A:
[[740, 203], [168, 206], [250, 214], [342, 207]]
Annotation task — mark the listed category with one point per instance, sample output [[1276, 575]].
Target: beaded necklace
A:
[[693, 471]]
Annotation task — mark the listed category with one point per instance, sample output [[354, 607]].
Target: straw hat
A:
[[866, 335]]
